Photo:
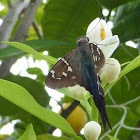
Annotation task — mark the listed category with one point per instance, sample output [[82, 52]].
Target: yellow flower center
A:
[[102, 34]]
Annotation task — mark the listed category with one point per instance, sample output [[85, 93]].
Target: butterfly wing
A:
[[100, 103], [65, 73], [98, 61], [98, 57]]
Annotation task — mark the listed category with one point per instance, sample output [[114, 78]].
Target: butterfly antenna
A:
[[107, 44], [95, 26]]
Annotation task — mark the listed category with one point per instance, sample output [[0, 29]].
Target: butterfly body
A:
[[81, 66]]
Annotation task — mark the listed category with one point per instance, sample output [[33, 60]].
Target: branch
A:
[[5, 67], [20, 34], [38, 32], [10, 20], [10, 3], [27, 20]]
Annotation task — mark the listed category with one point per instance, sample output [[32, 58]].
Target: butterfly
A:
[[81, 66]]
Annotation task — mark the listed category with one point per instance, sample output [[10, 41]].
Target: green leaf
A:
[[131, 66], [110, 4], [29, 50], [37, 71], [53, 46], [126, 89], [21, 97], [125, 53], [68, 19], [37, 90], [29, 134], [51, 137], [112, 138], [127, 21]]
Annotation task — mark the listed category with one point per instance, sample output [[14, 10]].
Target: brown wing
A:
[[65, 73], [98, 57]]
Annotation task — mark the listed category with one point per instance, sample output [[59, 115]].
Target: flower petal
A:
[[109, 45], [98, 30]]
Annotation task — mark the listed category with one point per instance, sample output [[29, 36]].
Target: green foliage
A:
[[112, 138], [38, 92], [23, 99], [50, 137], [29, 134], [127, 21], [110, 4], [72, 19], [28, 49], [26, 99], [39, 45], [132, 65], [38, 72]]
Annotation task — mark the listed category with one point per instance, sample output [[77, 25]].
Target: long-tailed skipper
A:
[[81, 66]]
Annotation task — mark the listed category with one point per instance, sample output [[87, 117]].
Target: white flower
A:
[[92, 130], [78, 91], [99, 33], [110, 70], [109, 45], [98, 30]]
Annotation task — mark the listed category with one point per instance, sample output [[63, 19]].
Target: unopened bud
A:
[[92, 130], [78, 91], [110, 70]]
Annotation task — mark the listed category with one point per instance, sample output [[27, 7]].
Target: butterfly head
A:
[[82, 41]]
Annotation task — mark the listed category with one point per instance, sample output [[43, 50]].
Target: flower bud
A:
[[110, 70], [92, 130], [98, 30], [78, 91]]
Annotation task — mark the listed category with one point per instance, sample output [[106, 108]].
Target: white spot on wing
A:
[[65, 61], [95, 66], [98, 51], [98, 83], [69, 69], [92, 50], [65, 74], [93, 58], [52, 71], [58, 78], [73, 77], [53, 76]]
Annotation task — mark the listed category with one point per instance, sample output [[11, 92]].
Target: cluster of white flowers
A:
[[99, 33]]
